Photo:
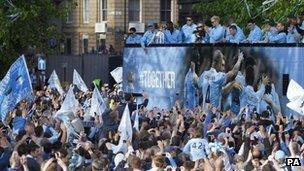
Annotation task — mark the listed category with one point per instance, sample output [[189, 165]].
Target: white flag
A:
[[125, 126], [68, 108], [117, 74], [136, 122], [125, 129], [77, 80], [295, 94], [70, 103], [98, 105], [55, 83]]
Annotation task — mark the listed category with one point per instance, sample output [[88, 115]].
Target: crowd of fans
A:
[[250, 134], [280, 32]]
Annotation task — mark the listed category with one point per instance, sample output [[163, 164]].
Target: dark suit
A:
[[33, 165], [4, 158]]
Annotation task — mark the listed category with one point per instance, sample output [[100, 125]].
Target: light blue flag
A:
[[14, 87]]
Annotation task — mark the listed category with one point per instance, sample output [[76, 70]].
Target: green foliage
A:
[[242, 10], [25, 23]]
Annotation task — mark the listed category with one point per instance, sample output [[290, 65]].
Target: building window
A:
[[85, 45], [103, 9], [165, 10], [134, 10], [86, 11], [69, 46], [69, 18]]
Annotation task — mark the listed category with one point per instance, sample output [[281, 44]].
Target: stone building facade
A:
[[94, 23]]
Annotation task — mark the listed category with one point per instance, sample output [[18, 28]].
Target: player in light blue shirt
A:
[[302, 29], [301, 26], [172, 35], [239, 30], [279, 37], [268, 27], [293, 35], [149, 36], [255, 34], [235, 35], [249, 97], [232, 90], [187, 30], [212, 81], [133, 38], [217, 33]]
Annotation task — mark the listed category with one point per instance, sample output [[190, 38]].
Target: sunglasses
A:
[[189, 19]]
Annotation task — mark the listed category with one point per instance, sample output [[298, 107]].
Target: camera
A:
[[52, 155]]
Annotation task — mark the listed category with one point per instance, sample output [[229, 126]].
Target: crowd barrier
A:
[[160, 70], [89, 66]]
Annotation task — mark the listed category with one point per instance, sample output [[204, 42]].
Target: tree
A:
[[29, 23], [242, 10]]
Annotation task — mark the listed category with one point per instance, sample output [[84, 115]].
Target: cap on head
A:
[[280, 155], [118, 158]]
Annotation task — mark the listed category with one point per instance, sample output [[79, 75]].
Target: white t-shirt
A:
[[196, 148]]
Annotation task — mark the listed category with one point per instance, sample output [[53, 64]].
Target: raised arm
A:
[[268, 100], [276, 38], [230, 86], [232, 74], [143, 40], [146, 101], [261, 91], [63, 138]]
